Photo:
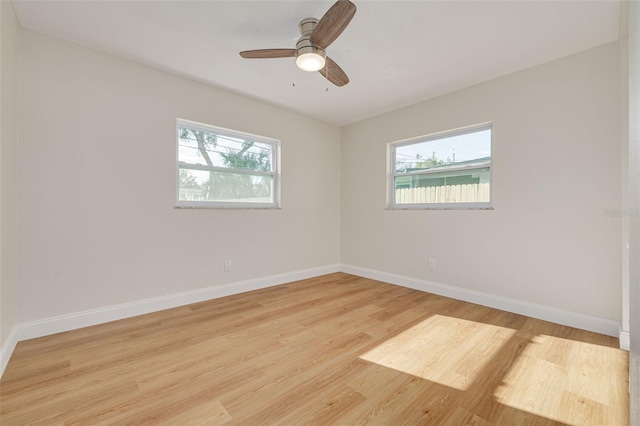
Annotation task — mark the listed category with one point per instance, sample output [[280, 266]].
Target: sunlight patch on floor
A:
[[449, 351], [546, 378]]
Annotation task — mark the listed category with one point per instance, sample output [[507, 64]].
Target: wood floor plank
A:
[[462, 417], [337, 349]]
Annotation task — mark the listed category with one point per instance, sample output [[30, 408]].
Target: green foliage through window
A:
[[219, 167], [449, 168]]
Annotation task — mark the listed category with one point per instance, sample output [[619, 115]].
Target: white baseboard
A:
[[625, 339], [58, 324], [61, 323], [572, 319], [7, 348]]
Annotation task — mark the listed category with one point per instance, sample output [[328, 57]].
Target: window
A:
[[224, 168], [445, 170]]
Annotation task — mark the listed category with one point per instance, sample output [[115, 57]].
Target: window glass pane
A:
[[447, 168], [204, 148], [459, 150], [201, 185], [454, 186], [220, 168]]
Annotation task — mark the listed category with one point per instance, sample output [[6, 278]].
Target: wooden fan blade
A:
[[334, 73], [268, 53], [333, 23]]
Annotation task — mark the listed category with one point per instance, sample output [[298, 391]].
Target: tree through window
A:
[[224, 168]]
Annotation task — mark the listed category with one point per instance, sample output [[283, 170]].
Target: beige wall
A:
[[97, 163], [556, 169], [97, 186], [9, 35]]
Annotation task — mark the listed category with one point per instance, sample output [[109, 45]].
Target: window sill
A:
[[442, 207], [226, 207]]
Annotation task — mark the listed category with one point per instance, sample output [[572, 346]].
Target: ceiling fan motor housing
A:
[[309, 56], [304, 45], [307, 25]]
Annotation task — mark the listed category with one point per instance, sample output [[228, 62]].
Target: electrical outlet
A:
[[432, 263], [227, 265]]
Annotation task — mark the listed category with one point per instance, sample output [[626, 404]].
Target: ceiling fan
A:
[[316, 36]]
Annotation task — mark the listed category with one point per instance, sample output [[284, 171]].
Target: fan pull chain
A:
[[293, 75]]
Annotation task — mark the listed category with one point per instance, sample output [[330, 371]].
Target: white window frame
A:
[[274, 173], [391, 171]]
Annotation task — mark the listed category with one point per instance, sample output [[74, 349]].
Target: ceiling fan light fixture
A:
[[310, 58], [315, 36]]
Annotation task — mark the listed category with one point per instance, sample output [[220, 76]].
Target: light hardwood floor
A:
[[336, 349]]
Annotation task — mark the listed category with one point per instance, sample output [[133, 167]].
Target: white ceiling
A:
[[396, 53]]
